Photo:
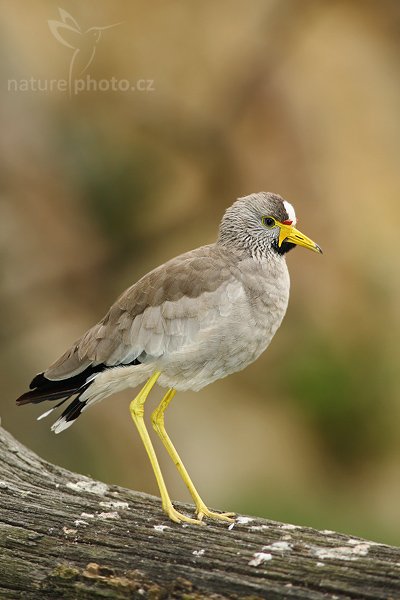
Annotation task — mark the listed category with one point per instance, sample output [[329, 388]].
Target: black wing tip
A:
[[41, 388], [71, 413], [24, 399], [38, 381], [39, 394], [73, 410], [36, 390]]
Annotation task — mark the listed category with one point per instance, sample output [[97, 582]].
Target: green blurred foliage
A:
[[339, 388]]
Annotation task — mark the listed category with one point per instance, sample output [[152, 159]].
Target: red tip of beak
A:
[[287, 222]]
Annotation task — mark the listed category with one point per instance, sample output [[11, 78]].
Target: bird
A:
[[201, 316]]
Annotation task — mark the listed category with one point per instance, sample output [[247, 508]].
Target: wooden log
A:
[[66, 536]]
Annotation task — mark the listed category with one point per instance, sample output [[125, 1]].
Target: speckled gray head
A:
[[261, 224]]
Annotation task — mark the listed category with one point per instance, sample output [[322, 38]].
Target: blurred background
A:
[[100, 185]]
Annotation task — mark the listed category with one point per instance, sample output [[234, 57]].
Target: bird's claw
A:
[[178, 517], [203, 511]]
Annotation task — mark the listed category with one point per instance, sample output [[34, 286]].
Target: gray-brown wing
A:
[[163, 312]]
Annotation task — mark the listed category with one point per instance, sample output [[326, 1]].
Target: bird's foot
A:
[[202, 511], [178, 517]]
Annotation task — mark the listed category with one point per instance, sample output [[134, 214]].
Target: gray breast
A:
[[251, 305], [267, 287]]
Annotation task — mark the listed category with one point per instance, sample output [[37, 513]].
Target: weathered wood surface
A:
[[66, 536]]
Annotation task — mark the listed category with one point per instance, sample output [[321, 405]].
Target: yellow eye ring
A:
[[268, 222]]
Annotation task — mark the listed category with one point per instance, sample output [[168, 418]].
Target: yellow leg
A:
[[157, 419], [137, 412]]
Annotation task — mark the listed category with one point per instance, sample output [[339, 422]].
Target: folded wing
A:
[[163, 312]]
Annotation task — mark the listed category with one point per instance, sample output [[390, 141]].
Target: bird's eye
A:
[[268, 221]]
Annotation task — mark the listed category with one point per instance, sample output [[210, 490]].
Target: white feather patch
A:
[[61, 424], [45, 414], [290, 211], [92, 377]]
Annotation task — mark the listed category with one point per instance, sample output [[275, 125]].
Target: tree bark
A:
[[63, 535]]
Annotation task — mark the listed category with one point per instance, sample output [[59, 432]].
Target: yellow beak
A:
[[293, 235]]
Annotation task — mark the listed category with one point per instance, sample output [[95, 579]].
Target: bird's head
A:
[[261, 224], [95, 33]]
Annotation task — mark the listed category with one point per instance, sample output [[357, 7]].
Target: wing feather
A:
[[162, 312]]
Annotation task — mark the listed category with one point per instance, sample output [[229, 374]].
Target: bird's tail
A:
[[46, 389]]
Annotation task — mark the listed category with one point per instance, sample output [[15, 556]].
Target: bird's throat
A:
[[284, 248]]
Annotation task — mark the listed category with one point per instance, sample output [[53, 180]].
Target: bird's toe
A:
[[203, 511], [179, 517]]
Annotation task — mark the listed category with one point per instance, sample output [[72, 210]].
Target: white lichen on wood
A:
[[278, 547], [86, 485], [353, 552], [259, 558], [161, 527], [108, 515]]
